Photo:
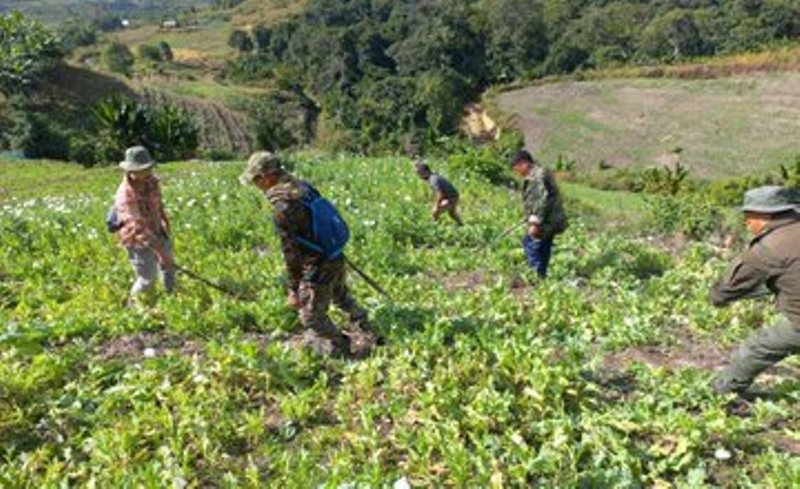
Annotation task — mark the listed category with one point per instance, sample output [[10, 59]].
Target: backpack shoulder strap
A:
[[310, 194]]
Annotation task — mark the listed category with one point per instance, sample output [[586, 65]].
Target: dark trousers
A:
[[537, 253]]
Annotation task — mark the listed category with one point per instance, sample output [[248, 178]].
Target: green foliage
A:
[[730, 192], [690, 214], [387, 72], [283, 120], [150, 52], [77, 34], [166, 51], [668, 180], [488, 162], [596, 377], [83, 150], [27, 50], [790, 174], [241, 41], [169, 133], [119, 59], [563, 164], [672, 36], [38, 137]]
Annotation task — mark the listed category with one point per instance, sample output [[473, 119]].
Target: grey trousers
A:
[[758, 352], [145, 264]]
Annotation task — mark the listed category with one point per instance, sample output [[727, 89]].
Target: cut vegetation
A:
[[716, 128]]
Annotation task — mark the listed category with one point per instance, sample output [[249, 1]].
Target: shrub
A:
[[284, 120], [166, 51], [37, 137], [168, 132], [666, 180], [790, 174], [218, 154], [240, 41], [83, 150], [689, 214], [27, 50], [119, 59], [77, 35], [150, 52]]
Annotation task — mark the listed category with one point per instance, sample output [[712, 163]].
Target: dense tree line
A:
[[386, 71]]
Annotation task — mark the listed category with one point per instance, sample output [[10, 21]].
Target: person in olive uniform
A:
[[769, 266], [544, 211], [314, 281]]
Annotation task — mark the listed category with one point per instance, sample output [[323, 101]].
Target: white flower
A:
[[149, 353], [723, 454], [200, 379]]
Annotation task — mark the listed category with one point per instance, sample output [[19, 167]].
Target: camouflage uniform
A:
[[315, 281], [770, 265], [542, 205]]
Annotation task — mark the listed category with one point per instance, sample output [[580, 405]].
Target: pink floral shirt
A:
[[141, 212]]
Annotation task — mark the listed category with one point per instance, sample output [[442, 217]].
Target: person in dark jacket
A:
[[769, 266], [447, 196]]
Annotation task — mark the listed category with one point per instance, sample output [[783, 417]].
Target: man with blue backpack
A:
[[313, 236]]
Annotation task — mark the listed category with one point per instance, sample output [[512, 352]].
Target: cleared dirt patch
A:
[[689, 352], [785, 443], [148, 345], [472, 281], [465, 281]]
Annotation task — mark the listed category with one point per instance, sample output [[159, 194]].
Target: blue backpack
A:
[[329, 231]]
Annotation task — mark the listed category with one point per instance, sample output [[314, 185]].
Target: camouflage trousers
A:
[[317, 293], [758, 352]]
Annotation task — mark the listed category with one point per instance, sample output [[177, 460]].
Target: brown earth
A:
[[132, 347], [716, 128]]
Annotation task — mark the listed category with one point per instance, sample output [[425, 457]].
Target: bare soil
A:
[[133, 347], [716, 128]]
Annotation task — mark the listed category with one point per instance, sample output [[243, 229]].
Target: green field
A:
[[596, 378], [56, 11], [717, 128]]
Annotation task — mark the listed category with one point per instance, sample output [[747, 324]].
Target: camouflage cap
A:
[[137, 158], [260, 163], [771, 199]]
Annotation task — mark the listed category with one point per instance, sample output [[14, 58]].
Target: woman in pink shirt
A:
[[145, 228]]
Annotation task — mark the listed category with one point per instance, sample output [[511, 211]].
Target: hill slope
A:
[[717, 127]]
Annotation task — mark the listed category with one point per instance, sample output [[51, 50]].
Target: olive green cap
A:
[[260, 163], [137, 158], [771, 199]]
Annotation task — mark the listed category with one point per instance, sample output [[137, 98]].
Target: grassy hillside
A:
[[55, 11], [596, 378], [204, 42], [716, 127], [251, 13]]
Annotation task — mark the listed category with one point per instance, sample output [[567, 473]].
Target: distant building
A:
[[170, 24], [125, 23]]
